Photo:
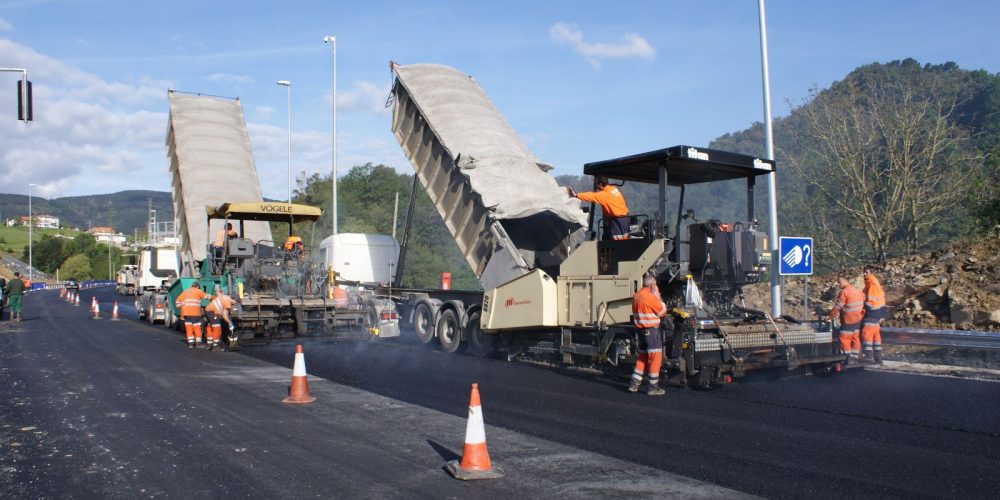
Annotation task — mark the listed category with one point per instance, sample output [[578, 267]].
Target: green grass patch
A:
[[13, 240]]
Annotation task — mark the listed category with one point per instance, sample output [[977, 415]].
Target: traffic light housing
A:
[[24, 107]]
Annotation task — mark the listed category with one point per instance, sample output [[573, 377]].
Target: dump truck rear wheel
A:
[[423, 322], [480, 344], [449, 331]]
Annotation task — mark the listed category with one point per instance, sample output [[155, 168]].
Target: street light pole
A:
[[772, 184], [288, 84], [333, 202], [31, 224]]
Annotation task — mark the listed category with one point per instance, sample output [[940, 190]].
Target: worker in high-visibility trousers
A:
[[850, 306], [871, 331], [647, 309], [614, 210], [189, 302], [218, 309]]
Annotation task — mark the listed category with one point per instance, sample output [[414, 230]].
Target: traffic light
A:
[[24, 107]]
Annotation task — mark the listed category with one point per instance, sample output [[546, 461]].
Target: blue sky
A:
[[580, 81]]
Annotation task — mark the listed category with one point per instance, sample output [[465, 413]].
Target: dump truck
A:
[[157, 269], [128, 276], [554, 286]]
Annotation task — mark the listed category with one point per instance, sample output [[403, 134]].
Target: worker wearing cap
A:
[[871, 331], [189, 302], [850, 307], [218, 309], [613, 207], [647, 309]]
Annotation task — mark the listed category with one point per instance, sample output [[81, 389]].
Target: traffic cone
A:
[[114, 312], [76, 299], [475, 462], [62, 293], [299, 392], [97, 310]]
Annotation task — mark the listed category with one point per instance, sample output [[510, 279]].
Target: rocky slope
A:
[[957, 287]]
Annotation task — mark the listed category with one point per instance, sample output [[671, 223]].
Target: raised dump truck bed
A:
[[491, 191], [210, 163]]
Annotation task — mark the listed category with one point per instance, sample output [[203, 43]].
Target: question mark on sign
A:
[[808, 251]]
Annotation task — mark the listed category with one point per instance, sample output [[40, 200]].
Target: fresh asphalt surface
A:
[[860, 434]]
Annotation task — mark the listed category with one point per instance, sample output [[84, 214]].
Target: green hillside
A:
[[125, 211]]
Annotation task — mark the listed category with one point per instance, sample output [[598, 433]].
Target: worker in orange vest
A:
[[613, 208], [871, 332], [189, 302], [850, 307], [218, 309], [647, 309]]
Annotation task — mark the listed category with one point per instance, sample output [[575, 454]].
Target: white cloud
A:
[[5, 26], [633, 45], [264, 113], [88, 135], [229, 78], [365, 96]]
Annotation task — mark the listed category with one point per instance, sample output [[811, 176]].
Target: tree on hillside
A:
[[885, 158], [77, 266], [47, 253]]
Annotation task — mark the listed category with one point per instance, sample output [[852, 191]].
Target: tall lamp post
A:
[[288, 84], [332, 40], [31, 224], [772, 184]]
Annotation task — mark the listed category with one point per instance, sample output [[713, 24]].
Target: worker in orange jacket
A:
[[217, 310], [871, 332], [850, 306], [647, 309], [189, 302], [613, 208]]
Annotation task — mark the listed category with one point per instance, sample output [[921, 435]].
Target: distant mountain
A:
[[125, 211]]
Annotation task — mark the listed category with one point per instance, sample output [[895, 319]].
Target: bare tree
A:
[[887, 158]]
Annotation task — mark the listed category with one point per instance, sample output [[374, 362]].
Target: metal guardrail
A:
[[941, 338]]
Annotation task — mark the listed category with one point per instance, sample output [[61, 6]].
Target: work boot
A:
[[878, 357], [633, 387], [655, 390], [190, 346]]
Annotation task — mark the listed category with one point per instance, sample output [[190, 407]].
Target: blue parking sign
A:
[[795, 256]]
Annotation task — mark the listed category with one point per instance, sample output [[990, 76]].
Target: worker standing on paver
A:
[[189, 302], [613, 208], [15, 294], [647, 309], [217, 310], [219, 244], [871, 331], [850, 307]]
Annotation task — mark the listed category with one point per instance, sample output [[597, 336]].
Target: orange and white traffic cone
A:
[[475, 462], [114, 312], [76, 299], [299, 392], [62, 293], [97, 310]]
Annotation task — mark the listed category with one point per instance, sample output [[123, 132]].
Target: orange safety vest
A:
[[219, 303], [610, 199], [874, 295], [189, 301], [292, 242], [850, 304], [647, 309]]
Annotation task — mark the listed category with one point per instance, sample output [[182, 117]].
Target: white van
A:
[[366, 258]]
